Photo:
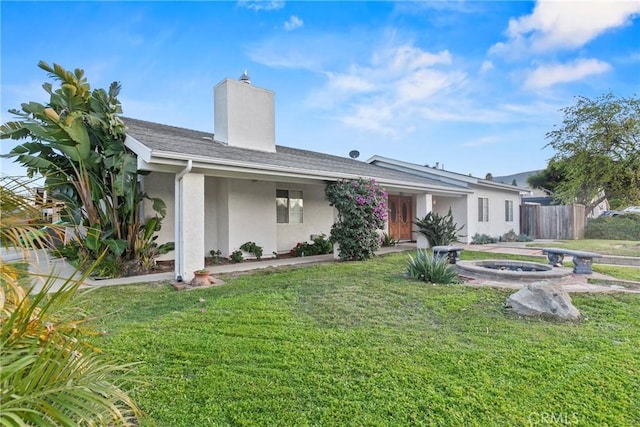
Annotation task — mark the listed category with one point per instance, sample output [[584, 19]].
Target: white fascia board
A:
[[502, 186], [206, 163], [424, 169], [141, 150]]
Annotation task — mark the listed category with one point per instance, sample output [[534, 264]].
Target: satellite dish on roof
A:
[[354, 154]]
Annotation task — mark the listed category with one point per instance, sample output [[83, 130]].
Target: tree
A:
[[598, 151], [489, 177], [76, 141], [548, 179]]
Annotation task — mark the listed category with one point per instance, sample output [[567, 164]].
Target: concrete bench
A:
[[451, 252], [581, 260]]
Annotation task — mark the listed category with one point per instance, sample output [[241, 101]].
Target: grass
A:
[[618, 271], [357, 344], [604, 247]]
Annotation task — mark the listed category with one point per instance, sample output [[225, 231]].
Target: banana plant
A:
[[76, 141]]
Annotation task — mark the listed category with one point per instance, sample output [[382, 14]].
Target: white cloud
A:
[[349, 83], [385, 94], [293, 23], [372, 118], [407, 58], [557, 25], [549, 75], [261, 4], [486, 66]]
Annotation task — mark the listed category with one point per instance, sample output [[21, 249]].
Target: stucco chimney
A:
[[244, 115]]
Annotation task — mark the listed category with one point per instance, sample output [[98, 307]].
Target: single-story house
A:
[[237, 185]]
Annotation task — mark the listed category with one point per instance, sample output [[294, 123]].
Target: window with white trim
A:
[[483, 209], [289, 206], [508, 210]]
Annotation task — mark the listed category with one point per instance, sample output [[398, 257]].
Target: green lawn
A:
[[357, 344], [604, 247]]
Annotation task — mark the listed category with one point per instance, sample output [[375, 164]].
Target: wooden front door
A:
[[400, 217]]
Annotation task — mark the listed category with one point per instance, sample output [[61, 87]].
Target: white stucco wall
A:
[[497, 224], [161, 185], [244, 115], [458, 206], [192, 225], [250, 214], [318, 216], [423, 205], [222, 215], [211, 203]]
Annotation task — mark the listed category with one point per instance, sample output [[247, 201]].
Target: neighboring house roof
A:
[[521, 178], [163, 144], [442, 175]]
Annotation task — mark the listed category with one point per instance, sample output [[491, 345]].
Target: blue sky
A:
[[471, 85]]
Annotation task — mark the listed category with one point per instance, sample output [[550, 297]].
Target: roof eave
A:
[[217, 164]]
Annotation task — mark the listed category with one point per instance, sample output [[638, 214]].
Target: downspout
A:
[[178, 220]]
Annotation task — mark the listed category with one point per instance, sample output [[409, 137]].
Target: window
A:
[[508, 210], [483, 209], [289, 206]]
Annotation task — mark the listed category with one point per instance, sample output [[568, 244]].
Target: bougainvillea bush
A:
[[362, 212]]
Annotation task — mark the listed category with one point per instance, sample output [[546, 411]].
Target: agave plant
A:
[[50, 375], [439, 230], [431, 269]]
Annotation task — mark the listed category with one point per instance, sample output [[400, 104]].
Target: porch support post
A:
[[190, 221], [424, 205]]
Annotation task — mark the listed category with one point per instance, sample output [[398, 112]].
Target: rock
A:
[[543, 299]]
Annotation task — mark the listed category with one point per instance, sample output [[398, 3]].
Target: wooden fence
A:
[[553, 222]]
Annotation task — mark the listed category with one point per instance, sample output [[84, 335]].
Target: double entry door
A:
[[400, 217]]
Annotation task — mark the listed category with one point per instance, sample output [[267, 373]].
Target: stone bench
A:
[[581, 260], [451, 252]]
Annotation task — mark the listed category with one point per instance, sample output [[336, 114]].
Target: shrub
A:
[[362, 211], [439, 230], [622, 227], [431, 269], [386, 240], [482, 239], [320, 246], [511, 236], [216, 255], [252, 248], [236, 257]]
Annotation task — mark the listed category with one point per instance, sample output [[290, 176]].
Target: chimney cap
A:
[[244, 78]]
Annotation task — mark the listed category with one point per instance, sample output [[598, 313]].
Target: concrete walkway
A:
[[44, 264]]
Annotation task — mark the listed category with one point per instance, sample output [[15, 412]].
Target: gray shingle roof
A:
[[170, 139]]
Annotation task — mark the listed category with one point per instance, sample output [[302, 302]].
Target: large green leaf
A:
[[126, 175], [75, 128], [92, 240], [116, 246], [159, 206], [13, 130]]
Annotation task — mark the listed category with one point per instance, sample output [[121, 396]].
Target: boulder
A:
[[543, 299]]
